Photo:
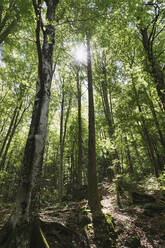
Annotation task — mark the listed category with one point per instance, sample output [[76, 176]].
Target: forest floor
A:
[[70, 224]]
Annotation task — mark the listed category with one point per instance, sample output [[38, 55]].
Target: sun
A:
[[80, 54]]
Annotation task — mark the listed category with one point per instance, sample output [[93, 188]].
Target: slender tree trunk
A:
[[3, 126], [61, 147], [15, 124], [79, 172], [146, 134], [23, 229], [150, 149], [67, 118], [107, 110], [151, 105], [93, 197], [107, 104], [55, 167], [65, 124], [7, 165], [73, 170], [8, 143], [63, 128], [136, 148], [9, 131], [128, 155]]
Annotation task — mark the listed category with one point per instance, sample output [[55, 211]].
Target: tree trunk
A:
[[107, 109], [128, 156], [146, 134], [155, 69], [107, 104], [9, 131], [73, 169], [93, 197], [23, 228], [63, 129], [79, 172], [151, 105], [134, 143], [15, 124], [61, 147]]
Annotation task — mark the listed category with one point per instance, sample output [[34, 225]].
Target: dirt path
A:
[[136, 226]]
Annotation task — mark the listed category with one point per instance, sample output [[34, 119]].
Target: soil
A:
[[70, 224]]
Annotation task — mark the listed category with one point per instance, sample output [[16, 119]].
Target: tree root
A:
[[25, 235]]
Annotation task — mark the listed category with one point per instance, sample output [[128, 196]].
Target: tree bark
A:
[[61, 146], [146, 134], [128, 156], [151, 105], [93, 197], [23, 228], [107, 105], [154, 69], [79, 172], [63, 129], [134, 143], [15, 124], [9, 131], [107, 109]]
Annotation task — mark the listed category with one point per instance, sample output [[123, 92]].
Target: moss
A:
[[109, 220], [89, 226]]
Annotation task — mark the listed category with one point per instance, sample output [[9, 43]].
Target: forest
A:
[[82, 124]]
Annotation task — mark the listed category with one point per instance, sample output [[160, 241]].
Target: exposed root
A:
[[24, 235]]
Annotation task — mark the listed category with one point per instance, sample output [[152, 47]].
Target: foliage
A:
[[135, 108], [161, 180]]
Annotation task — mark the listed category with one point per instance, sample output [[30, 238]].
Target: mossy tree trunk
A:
[[23, 228]]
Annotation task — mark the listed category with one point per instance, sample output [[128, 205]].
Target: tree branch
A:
[[37, 9]]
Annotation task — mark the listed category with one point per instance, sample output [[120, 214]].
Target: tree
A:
[[63, 129], [79, 92], [148, 17], [10, 15], [93, 197], [23, 228]]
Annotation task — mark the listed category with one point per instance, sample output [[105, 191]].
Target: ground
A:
[[70, 224]]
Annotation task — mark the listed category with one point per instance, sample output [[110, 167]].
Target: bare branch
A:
[[153, 31], [160, 31], [160, 53]]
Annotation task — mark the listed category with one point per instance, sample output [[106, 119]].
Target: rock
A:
[[133, 242], [141, 198], [154, 206]]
